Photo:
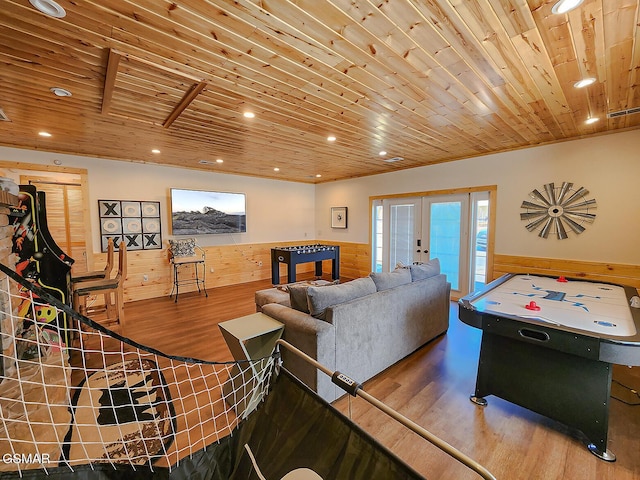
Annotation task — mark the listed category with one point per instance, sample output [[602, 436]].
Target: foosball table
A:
[[292, 256]]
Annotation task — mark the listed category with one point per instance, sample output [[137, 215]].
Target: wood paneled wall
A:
[[355, 260], [231, 264], [618, 273], [234, 264]]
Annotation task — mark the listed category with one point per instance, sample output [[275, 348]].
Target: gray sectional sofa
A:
[[363, 326]]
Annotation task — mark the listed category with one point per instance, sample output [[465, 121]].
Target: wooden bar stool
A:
[[97, 274], [107, 287]]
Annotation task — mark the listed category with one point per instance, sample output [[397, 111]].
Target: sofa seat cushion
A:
[[421, 271], [271, 295], [386, 280], [320, 298]]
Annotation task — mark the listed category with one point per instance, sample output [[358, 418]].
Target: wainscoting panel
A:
[[233, 264], [355, 260], [622, 274], [149, 274]]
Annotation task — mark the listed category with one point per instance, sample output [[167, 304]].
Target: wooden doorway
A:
[[65, 215]]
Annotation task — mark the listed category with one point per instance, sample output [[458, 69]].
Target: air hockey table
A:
[[549, 345]]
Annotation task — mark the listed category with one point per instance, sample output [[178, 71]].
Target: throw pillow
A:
[[298, 292], [183, 248], [386, 280], [316, 283], [425, 270], [320, 298], [298, 297]]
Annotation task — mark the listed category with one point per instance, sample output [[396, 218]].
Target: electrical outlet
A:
[[145, 278], [211, 270], [260, 263]]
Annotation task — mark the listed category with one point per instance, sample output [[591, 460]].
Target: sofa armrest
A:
[[314, 337], [303, 331]]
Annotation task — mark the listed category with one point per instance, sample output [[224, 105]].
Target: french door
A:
[[416, 229]]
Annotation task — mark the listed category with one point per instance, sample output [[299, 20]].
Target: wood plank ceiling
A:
[[425, 80]]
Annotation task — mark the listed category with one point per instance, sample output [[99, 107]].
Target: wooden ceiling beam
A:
[[188, 97], [110, 80]]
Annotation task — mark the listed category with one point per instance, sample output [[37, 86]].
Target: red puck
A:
[[562, 279], [532, 306]]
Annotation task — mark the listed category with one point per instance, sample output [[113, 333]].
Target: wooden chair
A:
[[107, 287], [97, 274]]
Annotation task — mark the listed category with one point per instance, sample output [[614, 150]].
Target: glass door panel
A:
[[479, 235], [404, 231], [377, 236], [447, 233]]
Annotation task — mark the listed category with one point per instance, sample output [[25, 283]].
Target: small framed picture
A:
[[338, 217]]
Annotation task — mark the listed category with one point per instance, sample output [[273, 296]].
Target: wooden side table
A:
[[252, 337]]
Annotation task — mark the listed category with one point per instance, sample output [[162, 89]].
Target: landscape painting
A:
[[198, 212]]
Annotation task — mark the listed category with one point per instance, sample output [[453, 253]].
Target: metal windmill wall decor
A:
[[558, 210]]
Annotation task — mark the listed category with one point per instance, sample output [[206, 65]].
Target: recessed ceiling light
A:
[[60, 92], [155, 150], [44, 134], [564, 6], [318, 175], [331, 138], [249, 114], [276, 169], [219, 160], [591, 120], [49, 7], [584, 82], [382, 153]]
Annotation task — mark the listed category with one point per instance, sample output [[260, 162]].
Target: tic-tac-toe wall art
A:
[[137, 223]]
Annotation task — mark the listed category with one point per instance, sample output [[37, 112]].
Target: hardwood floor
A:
[[431, 387]]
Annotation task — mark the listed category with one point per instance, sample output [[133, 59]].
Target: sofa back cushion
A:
[[425, 270], [320, 298], [386, 280]]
